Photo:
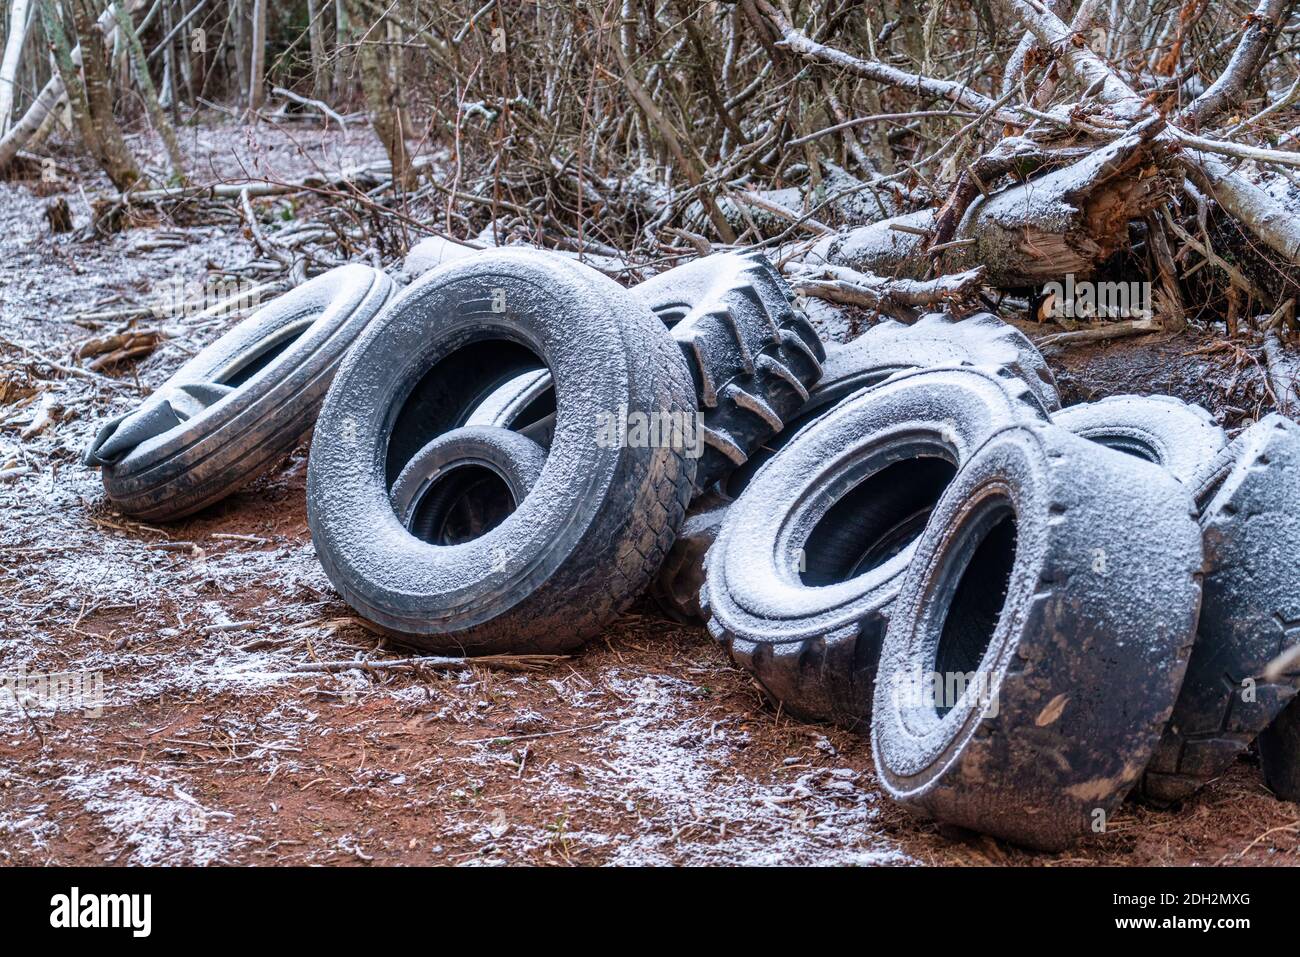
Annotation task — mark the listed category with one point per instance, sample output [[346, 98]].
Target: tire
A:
[[844, 499], [602, 515], [890, 347], [465, 483], [1174, 434], [241, 405], [752, 353], [676, 589], [1249, 501], [1062, 580], [1279, 748]]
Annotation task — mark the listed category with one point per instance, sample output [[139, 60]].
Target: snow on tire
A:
[[890, 347], [752, 353], [809, 559], [242, 404], [1059, 581], [587, 539], [1249, 500], [1159, 428], [465, 483]]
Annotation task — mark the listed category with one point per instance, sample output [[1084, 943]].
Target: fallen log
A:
[[1069, 220]]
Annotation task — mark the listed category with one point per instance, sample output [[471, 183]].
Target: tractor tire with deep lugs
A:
[[752, 353], [1060, 582], [810, 558], [585, 541], [242, 404]]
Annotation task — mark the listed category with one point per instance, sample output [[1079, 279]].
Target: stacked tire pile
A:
[[1033, 611]]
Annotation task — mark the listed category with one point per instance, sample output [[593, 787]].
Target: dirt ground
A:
[[647, 748]]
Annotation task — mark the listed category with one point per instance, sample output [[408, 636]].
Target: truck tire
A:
[[1061, 581], [1159, 428], [1249, 502], [602, 514], [465, 483], [241, 405], [808, 561]]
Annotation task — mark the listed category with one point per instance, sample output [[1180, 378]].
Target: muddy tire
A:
[[890, 347], [753, 354], [676, 589], [1249, 501], [809, 559], [465, 483], [241, 405], [1061, 580], [601, 516], [1174, 434]]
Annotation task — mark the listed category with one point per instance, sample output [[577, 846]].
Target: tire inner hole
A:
[[460, 504], [448, 394], [263, 355], [976, 605], [1127, 444], [875, 520]]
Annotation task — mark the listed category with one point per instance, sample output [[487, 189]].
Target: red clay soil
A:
[[647, 748]]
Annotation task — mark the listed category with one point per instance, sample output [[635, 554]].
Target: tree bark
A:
[[14, 41], [91, 101]]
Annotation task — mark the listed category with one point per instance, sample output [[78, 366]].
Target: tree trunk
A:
[[381, 83], [14, 41], [143, 80], [257, 58], [316, 36], [91, 102]]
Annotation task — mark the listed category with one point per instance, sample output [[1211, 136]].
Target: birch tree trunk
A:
[[14, 40]]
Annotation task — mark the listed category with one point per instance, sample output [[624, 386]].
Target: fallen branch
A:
[[894, 297], [432, 662]]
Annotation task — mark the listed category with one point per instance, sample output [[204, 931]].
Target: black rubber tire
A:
[[752, 353], [676, 589], [1073, 624], [890, 347], [829, 499], [476, 475], [242, 404], [1173, 434], [1279, 753], [585, 543], [1249, 501]]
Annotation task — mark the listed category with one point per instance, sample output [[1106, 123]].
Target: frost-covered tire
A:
[[937, 338], [465, 483], [676, 589], [1249, 501], [1159, 428], [890, 347], [845, 500], [242, 404], [586, 541], [752, 353], [1062, 581]]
